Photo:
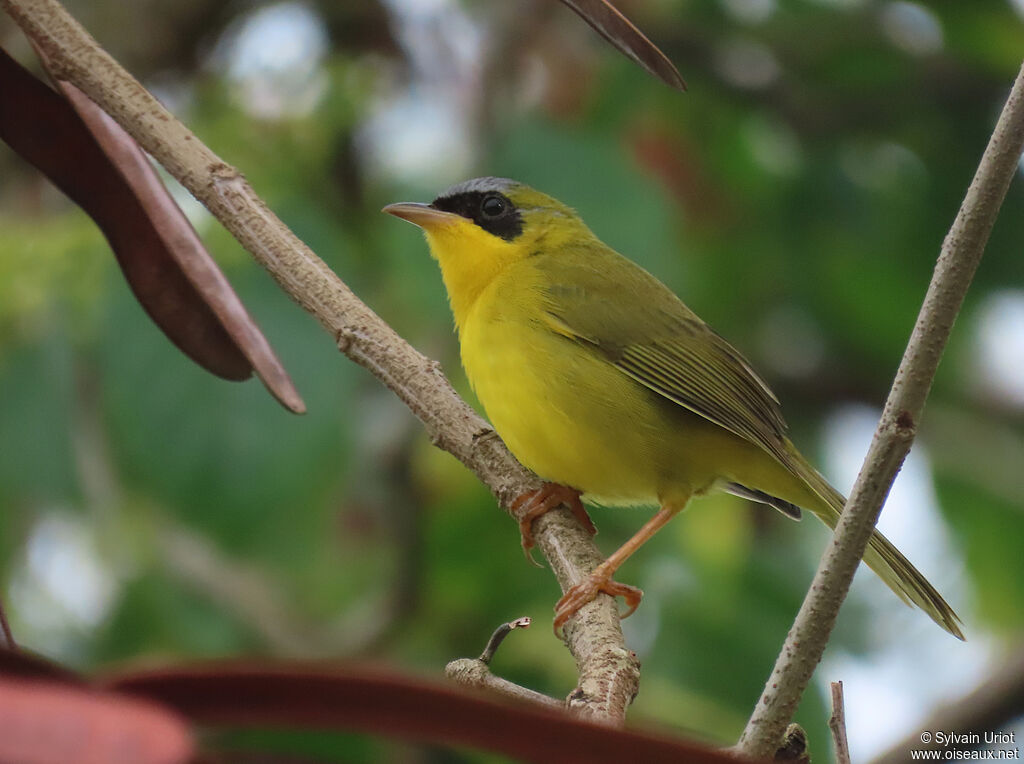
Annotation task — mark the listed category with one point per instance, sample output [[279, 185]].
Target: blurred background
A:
[[796, 198]]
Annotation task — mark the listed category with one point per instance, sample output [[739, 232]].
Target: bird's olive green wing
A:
[[607, 303]]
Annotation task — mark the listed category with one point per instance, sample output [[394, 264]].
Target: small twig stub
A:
[[476, 672], [499, 636], [837, 723]]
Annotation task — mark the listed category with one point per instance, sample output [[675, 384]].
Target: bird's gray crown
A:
[[480, 185]]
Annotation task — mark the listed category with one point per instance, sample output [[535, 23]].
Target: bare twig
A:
[[995, 702], [961, 252], [837, 723], [473, 672], [476, 672], [609, 673], [499, 636]]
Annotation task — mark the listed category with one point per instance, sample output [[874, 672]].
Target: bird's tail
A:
[[881, 556]]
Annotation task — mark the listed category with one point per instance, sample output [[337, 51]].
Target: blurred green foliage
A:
[[796, 197]]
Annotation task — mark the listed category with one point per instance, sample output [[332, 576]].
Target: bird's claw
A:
[[588, 589], [531, 505]]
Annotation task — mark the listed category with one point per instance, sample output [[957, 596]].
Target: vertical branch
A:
[[961, 251], [837, 723]]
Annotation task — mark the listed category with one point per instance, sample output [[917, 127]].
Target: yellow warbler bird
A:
[[601, 381]]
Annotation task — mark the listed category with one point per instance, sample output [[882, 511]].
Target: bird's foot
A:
[[585, 591], [532, 504]]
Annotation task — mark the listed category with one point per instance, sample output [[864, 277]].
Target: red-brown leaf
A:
[[49, 723], [104, 171], [390, 705]]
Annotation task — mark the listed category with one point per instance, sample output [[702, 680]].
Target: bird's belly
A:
[[574, 419]]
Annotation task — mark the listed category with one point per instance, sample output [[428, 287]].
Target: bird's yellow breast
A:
[[569, 415]]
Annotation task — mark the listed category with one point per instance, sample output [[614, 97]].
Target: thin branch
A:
[[499, 636], [476, 672], [609, 673], [473, 672], [958, 260], [837, 723]]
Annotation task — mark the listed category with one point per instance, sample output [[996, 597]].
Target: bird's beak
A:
[[422, 215]]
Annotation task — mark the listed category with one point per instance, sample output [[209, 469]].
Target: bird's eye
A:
[[492, 207]]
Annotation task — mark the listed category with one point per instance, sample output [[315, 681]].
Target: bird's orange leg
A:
[[531, 505], [601, 579]]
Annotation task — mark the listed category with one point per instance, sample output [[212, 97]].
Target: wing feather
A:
[[646, 332]]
